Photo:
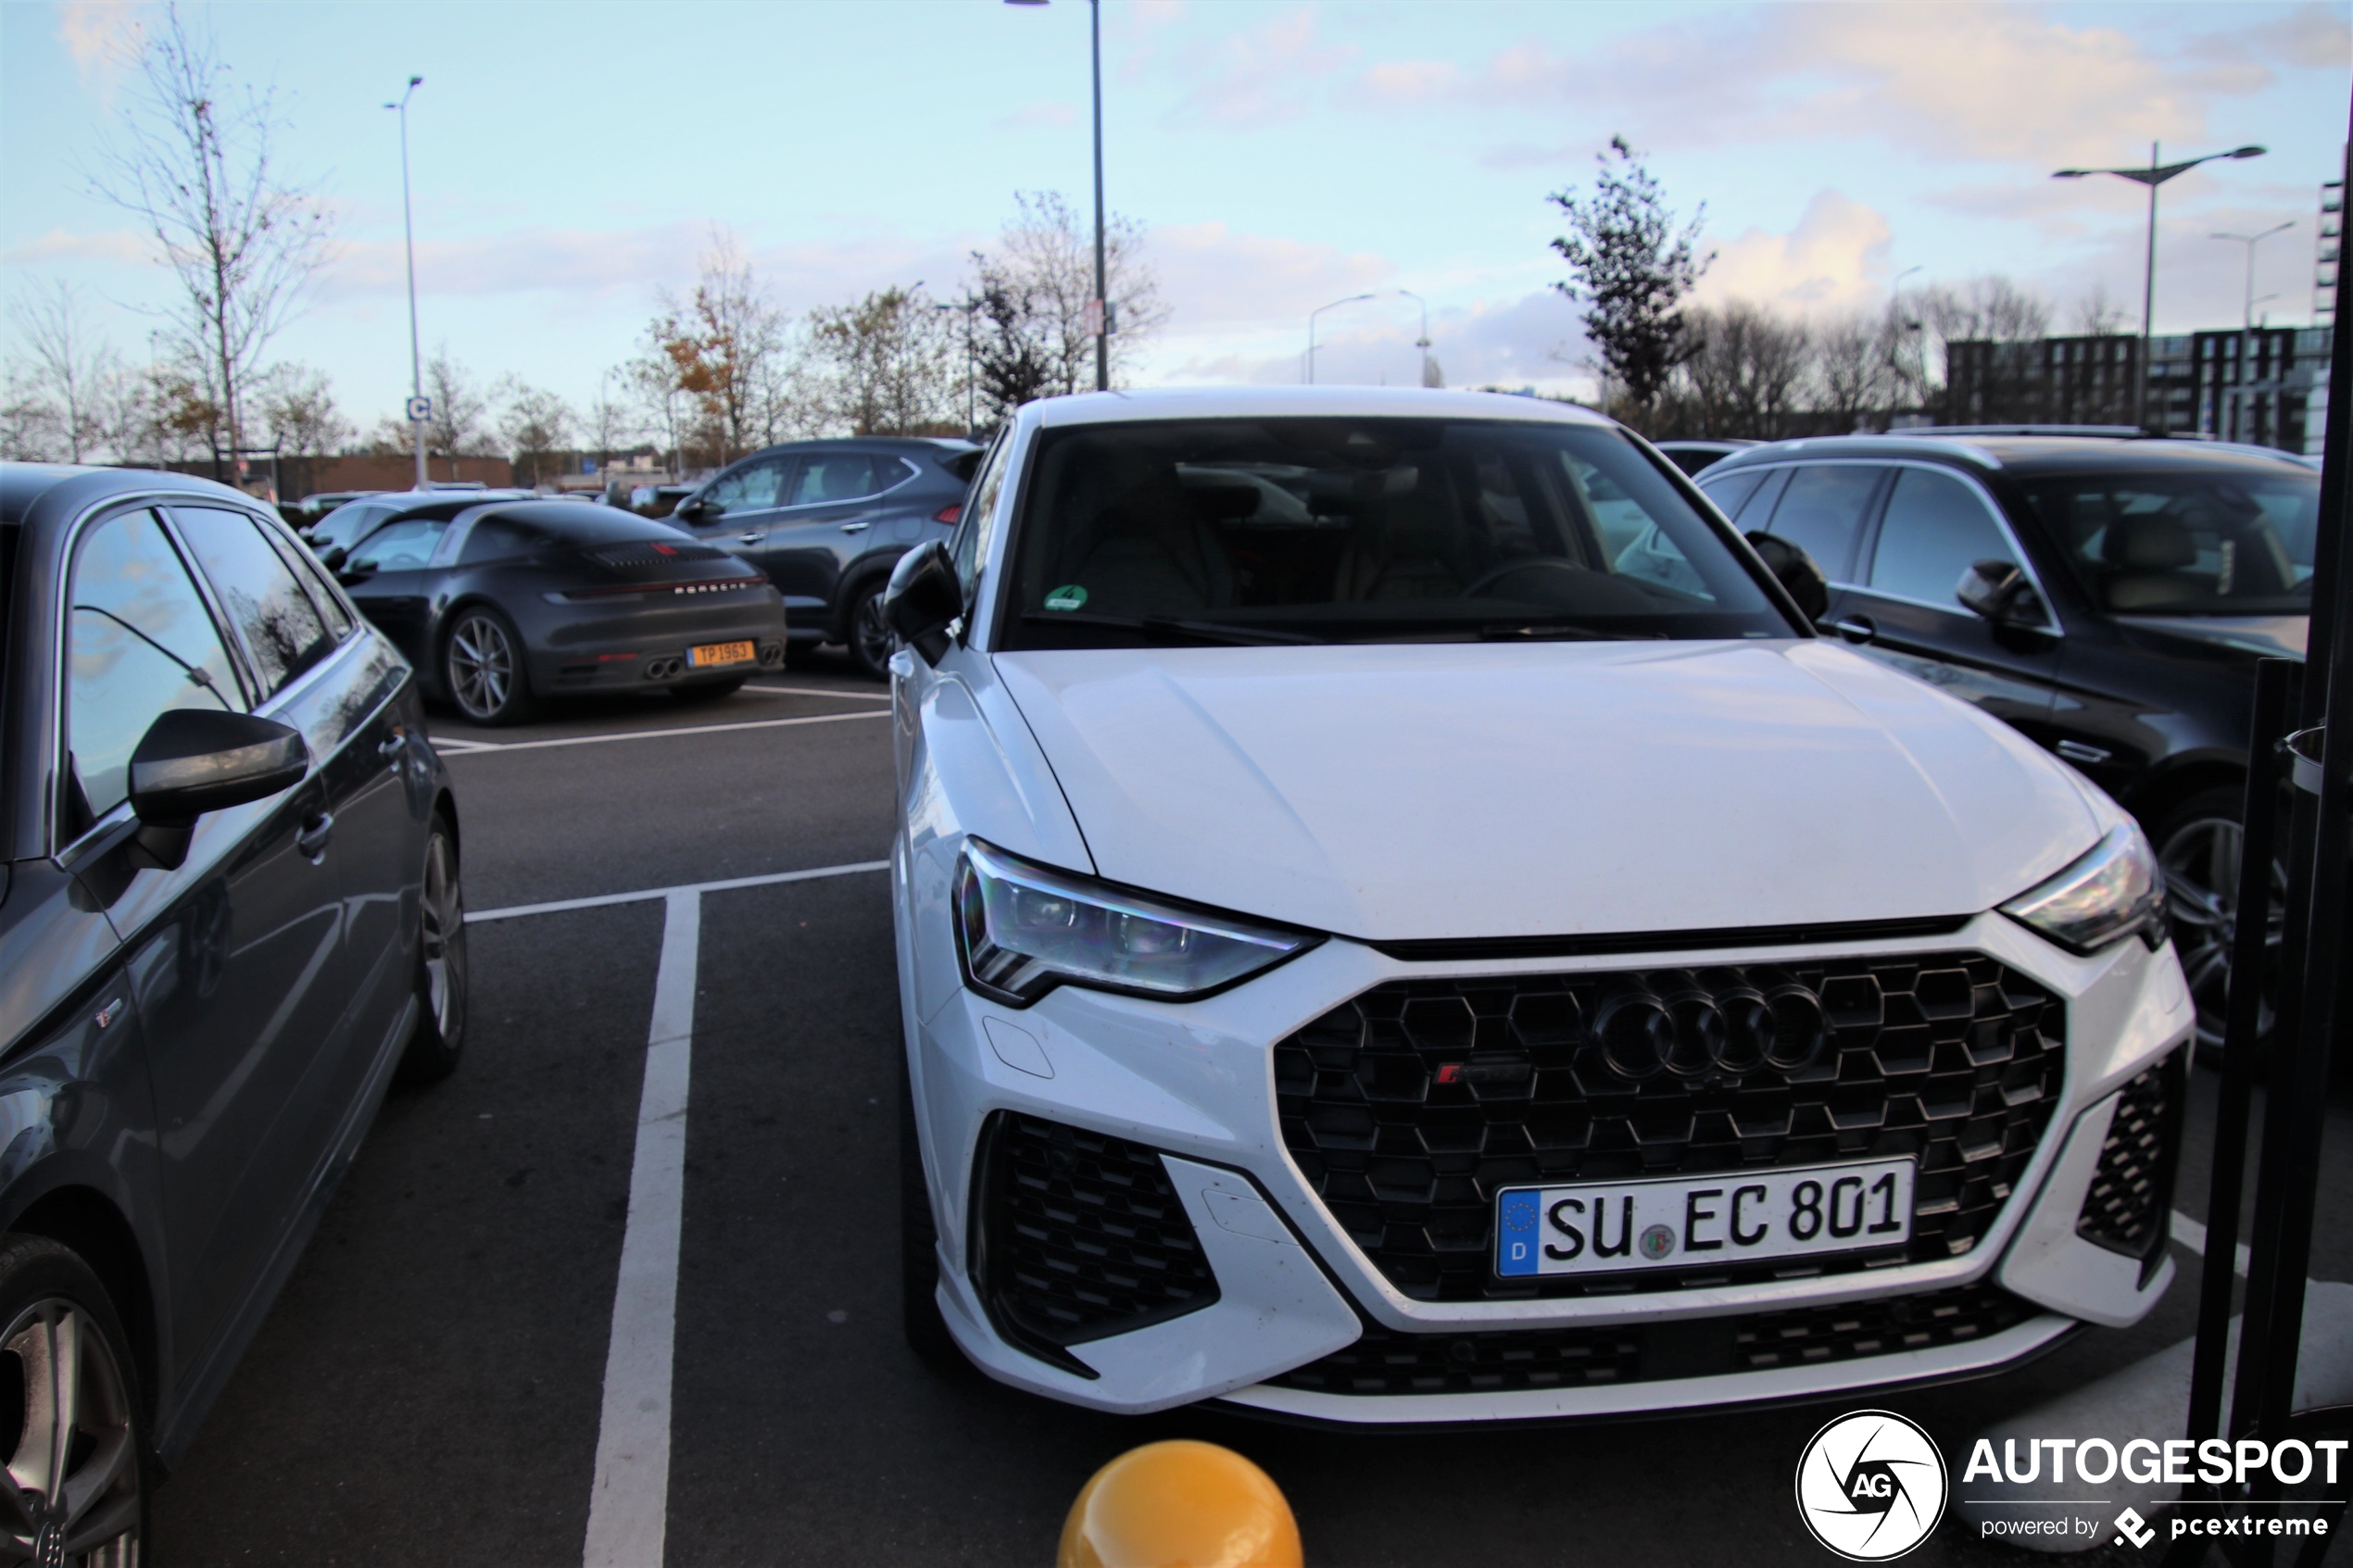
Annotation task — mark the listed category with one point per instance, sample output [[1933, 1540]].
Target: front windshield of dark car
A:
[[2218, 541], [1363, 530], [348, 524]]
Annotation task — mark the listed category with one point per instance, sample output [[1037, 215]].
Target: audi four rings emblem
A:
[[1739, 1024]]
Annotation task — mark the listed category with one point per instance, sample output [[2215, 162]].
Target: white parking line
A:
[[629, 1505], [469, 747], [820, 691], [600, 900], [2192, 1234]]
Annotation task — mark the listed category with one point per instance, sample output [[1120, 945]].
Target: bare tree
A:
[[1746, 367], [1985, 336], [461, 411], [652, 382], [28, 423], [1855, 371], [886, 365], [536, 425], [1043, 268], [194, 167], [2097, 314], [294, 404], [724, 341], [1632, 266], [70, 366]]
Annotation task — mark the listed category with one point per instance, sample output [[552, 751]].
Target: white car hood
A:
[[1417, 792]]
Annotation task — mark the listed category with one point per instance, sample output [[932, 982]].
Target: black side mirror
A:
[[333, 558], [1999, 591], [1795, 572], [924, 596], [692, 508], [197, 760]]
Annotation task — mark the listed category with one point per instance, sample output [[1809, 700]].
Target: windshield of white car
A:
[[1179, 532], [2202, 542]]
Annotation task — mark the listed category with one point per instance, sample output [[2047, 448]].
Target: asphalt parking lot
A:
[[431, 1385]]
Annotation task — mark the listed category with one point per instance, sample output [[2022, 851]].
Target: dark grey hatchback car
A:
[[827, 520], [229, 915]]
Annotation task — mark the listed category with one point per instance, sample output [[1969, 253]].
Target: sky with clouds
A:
[[570, 160]]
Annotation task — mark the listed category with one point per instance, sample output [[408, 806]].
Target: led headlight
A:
[[2115, 889], [1022, 930]]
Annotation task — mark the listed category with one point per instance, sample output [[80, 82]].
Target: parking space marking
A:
[[629, 1506], [468, 747], [820, 691], [600, 900], [2192, 1234]]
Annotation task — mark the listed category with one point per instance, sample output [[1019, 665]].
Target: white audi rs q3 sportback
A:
[[1400, 919]]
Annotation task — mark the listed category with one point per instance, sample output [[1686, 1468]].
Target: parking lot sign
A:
[[419, 410]]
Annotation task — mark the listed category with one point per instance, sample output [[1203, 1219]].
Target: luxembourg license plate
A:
[[1692, 1222], [721, 653]]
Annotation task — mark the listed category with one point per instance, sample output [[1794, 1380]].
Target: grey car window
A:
[[1935, 529], [1730, 490], [971, 537], [142, 644], [1821, 512], [283, 631], [750, 487], [837, 476], [405, 545], [323, 598]]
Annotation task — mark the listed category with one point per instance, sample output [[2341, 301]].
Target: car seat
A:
[[2147, 557], [1140, 546]]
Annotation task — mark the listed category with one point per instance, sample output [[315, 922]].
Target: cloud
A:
[[1030, 117], [1216, 279], [1832, 261], [2310, 37], [1959, 80], [113, 245], [1255, 77], [1530, 340], [103, 38]]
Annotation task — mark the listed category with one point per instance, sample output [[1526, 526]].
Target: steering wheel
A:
[[1541, 563]]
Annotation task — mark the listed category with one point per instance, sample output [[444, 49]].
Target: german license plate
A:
[[1692, 1222], [721, 653]]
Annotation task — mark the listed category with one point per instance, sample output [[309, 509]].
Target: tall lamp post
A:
[[1099, 315], [1422, 342], [2250, 242], [1335, 305], [409, 231], [2156, 174]]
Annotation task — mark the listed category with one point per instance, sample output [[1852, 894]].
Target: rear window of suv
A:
[[2193, 542], [1363, 530]]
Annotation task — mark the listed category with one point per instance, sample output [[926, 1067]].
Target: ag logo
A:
[[1871, 1485]]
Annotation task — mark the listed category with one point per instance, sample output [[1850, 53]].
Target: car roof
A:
[[930, 445], [23, 485], [2023, 455], [1301, 402], [1705, 443]]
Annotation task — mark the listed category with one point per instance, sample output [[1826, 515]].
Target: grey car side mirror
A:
[[1999, 591], [923, 597], [193, 760], [1795, 572]]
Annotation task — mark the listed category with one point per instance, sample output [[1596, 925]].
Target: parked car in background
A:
[[352, 521], [657, 500], [506, 602], [1694, 456], [2108, 596], [827, 520], [230, 913], [1374, 950], [302, 514]]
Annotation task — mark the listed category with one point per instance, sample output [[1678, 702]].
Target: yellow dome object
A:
[[1179, 1504]]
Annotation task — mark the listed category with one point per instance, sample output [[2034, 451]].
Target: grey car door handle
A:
[[1857, 628], [311, 842], [751, 538], [855, 527]]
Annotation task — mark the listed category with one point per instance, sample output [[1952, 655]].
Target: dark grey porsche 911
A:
[[501, 605]]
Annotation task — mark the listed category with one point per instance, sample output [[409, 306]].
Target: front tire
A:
[[74, 1491], [481, 666], [440, 1040], [2199, 845], [870, 638]]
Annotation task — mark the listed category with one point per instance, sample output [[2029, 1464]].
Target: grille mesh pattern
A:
[[2132, 1186], [1498, 1360], [1083, 1235], [1949, 1058]]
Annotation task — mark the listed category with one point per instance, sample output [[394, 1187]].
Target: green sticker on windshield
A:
[[1070, 596]]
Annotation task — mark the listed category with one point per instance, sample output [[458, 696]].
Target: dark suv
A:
[[2107, 597], [827, 521]]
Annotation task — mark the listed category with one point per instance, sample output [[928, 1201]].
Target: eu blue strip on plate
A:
[[1516, 1217]]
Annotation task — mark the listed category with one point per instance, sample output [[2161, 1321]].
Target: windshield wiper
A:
[[1557, 631], [1200, 631]]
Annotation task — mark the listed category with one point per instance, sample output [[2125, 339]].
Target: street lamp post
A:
[[2250, 242], [2156, 174], [1335, 305], [1422, 342], [1099, 309], [409, 231]]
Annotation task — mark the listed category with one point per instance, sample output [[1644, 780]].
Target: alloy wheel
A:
[[481, 666], [73, 1491], [2201, 863], [445, 940], [870, 634]]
